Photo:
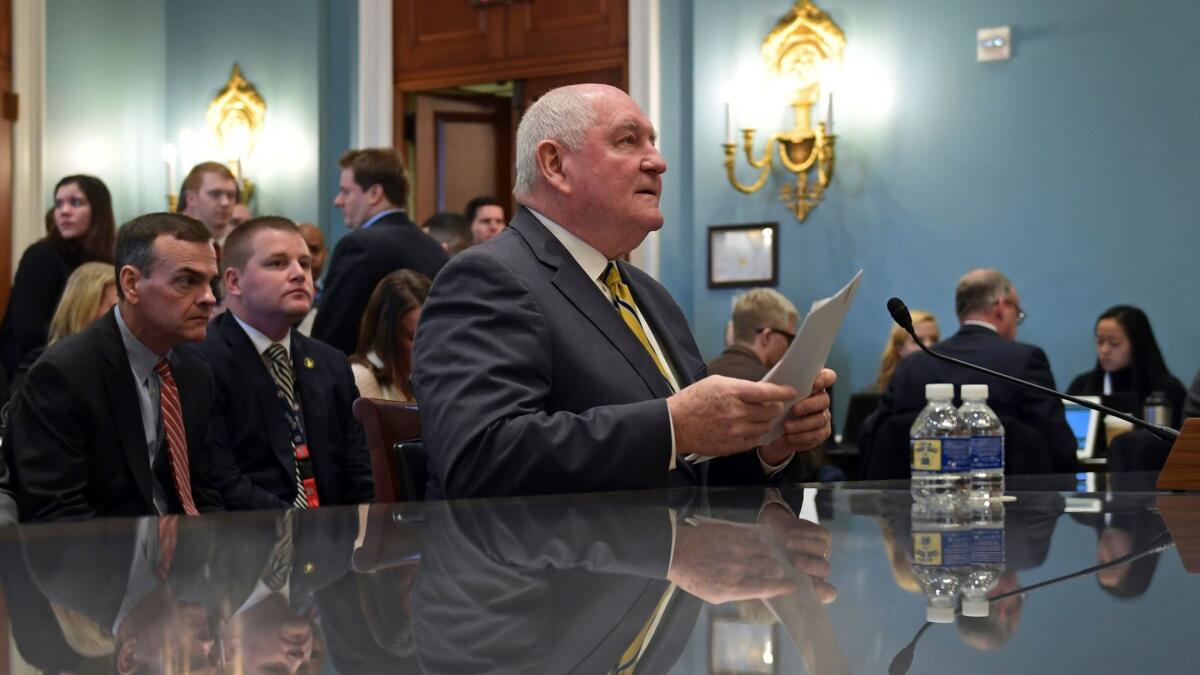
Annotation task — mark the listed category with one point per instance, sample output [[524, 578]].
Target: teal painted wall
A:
[[104, 99], [1071, 167], [125, 76]]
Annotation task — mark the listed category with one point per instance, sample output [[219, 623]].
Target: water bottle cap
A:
[[975, 607], [939, 392], [939, 614], [974, 392]]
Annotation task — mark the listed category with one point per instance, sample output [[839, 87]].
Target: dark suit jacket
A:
[[738, 361], [530, 382], [359, 261], [75, 431], [982, 346], [253, 460]]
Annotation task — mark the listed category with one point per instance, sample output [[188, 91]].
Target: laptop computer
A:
[[1085, 423]]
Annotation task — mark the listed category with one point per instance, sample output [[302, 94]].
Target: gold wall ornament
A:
[[801, 48], [235, 118]]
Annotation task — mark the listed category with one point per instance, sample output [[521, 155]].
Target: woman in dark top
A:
[[1129, 362], [84, 231]]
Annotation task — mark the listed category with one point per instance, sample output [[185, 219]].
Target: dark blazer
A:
[[253, 460], [76, 434], [738, 361], [530, 382], [982, 346], [41, 277], [359, 261]]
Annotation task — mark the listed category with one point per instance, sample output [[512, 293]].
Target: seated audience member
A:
[[240, 214], [383, 363], [91, 291], [544, 363], [989, 311], [371, 194], [1191, 407], [282, 432], [1128, 361], [111, 421], [900, 344], [83, 230], [208, 194], [486, 216], [451, 230], [317, 251]]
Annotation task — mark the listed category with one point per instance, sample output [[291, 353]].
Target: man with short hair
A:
[[764, 325], [451, 230], [486, 216], [545, 363], [239, 214], [282, 431], [371, 194], [112, 421], [989, 311], [209, 194]]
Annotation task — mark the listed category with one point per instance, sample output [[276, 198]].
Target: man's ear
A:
[[549, 156], [375, 194], [128, 278], [233, 285]]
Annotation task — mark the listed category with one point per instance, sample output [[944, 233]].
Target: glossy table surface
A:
[[668, 582]]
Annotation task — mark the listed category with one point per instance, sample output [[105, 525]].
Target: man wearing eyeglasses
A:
[[989, 311], [764, 325]]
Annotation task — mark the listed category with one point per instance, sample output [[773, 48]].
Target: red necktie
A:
[[172, 417]]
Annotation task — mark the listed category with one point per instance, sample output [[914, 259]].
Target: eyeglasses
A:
[[1020, 312], [786, 335]]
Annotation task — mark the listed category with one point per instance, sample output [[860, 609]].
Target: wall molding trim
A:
[[29, 81], [645, 88], [375, 87]]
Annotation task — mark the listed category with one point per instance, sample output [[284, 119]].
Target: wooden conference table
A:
[[580, 584]]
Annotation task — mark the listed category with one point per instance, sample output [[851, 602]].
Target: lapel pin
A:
[[309, 363]]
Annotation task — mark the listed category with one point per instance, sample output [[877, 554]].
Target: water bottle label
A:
[[942, 549], [987, 546], [987, 452], [941, 455]]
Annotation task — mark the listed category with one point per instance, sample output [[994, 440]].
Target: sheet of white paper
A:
[[809, 351]]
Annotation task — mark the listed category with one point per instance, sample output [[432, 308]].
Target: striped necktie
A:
[[281, 370], [627, 308], [172, 418]]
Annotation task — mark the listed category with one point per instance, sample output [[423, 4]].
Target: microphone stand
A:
[[901, 316]]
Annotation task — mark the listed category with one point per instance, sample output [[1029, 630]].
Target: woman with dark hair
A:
[[382, 364], [84, 231], [1128, 361]]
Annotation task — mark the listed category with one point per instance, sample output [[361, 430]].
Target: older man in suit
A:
[[371, 194], [282, 431], [545, 363], [111, 421]]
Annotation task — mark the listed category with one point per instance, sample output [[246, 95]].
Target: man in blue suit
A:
[[545, 363], [282, 431]]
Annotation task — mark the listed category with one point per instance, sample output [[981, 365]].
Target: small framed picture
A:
[[743, 255]]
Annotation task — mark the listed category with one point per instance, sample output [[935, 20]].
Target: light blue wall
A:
[[1071, 167], [125, 76], [105, 78]]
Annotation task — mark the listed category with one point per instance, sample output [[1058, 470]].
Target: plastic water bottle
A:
[[941, 540], [941, 452], [987, 557], [987, 443]]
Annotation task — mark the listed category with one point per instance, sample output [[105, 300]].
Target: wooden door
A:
[[438, 35], [566, 27], [463, 150], [9, 110]]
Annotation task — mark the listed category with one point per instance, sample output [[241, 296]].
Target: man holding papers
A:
[[546, 364]]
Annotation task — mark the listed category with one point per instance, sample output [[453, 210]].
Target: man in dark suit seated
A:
[[764, 325], [989, 309], [545, 363], [282, 431], [111, 421], [371, 195]]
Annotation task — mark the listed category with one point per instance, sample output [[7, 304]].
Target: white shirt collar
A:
[[974, 322], [592, 261], [262, 342]]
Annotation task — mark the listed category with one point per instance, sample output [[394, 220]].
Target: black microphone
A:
[[900, 315]]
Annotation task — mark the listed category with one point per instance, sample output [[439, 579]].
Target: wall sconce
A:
[[804, 46], [235, 119]]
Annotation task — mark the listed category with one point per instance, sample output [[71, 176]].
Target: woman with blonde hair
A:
[[900, 344], [382, 364], [90, 292]]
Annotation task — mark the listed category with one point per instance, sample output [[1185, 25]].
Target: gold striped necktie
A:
[[623, 301]]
